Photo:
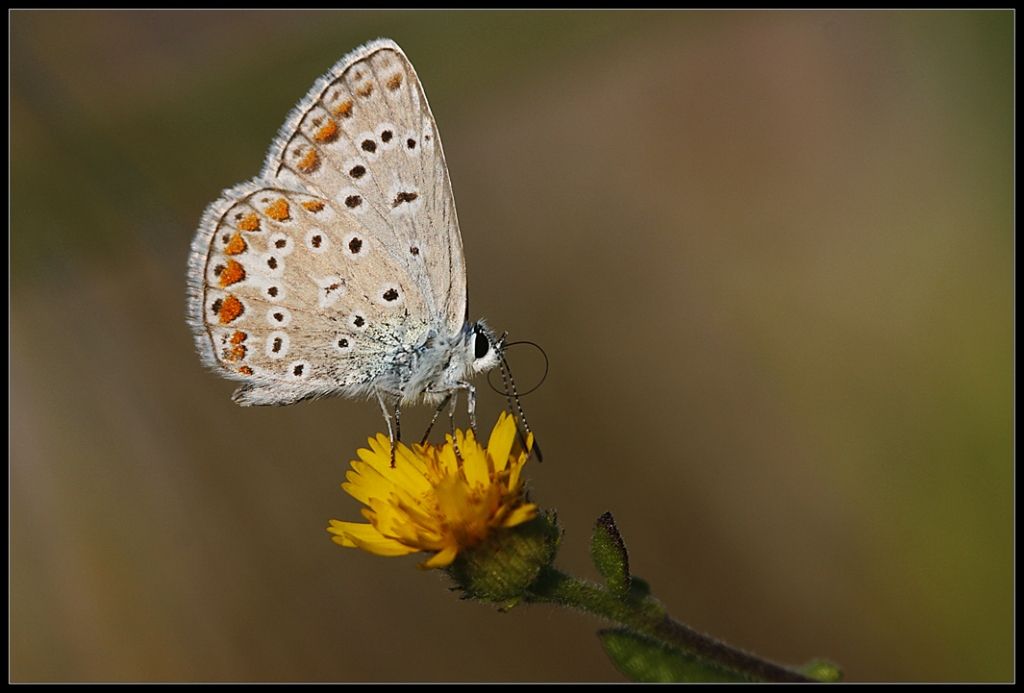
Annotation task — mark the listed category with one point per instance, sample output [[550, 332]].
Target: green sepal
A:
[[503, 567], [610, 556]]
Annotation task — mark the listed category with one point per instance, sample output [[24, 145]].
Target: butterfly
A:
[[339, 269]]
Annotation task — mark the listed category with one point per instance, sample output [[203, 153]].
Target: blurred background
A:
[[770, 258]]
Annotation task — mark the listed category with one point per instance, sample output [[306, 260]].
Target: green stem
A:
[[646, 616]]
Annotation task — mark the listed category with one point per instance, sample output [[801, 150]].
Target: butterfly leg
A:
[[434, 420], [398, 426], [454, 397], [471, 396], [391, 431]]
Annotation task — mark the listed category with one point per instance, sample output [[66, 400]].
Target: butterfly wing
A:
[[365, 129], [323, 274]]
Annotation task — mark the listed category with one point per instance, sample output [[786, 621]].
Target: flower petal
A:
[[522, 514], [358, 535], [475, 467], [441, 559], [500, 443]]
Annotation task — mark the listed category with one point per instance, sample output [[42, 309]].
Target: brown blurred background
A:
[[770, 257]]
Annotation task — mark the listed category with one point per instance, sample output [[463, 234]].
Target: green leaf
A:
[[610, 557], [645, 660], [639, 588], [823, 670]]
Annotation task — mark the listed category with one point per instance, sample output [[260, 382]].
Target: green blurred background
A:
[[770, 257]]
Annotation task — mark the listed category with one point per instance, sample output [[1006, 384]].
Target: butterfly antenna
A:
[[513, 396]]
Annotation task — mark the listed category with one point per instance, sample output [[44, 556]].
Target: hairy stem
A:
[[646, 616]]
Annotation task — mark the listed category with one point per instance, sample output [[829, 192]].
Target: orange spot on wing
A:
[[235, 353], [245, 370], [327, 132], [236, 246], [313, 206], [278, 211], [230, 309], [395, 81], [232, 274], [365, 90], [250, 222], [239, 337], [344, 109], [307, 164]]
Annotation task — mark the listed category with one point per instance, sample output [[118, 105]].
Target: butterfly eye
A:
[[482, 346]]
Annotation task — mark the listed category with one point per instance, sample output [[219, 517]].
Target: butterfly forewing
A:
[[364, 137], [350, 232]]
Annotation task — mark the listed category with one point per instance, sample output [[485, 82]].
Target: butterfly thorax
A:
[[430, 371]]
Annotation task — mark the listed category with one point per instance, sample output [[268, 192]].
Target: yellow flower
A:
[[433, 501]]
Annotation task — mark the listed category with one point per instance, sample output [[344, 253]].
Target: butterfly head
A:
[[484, 349]]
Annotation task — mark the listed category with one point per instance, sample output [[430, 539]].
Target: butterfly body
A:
[[339, 270]]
